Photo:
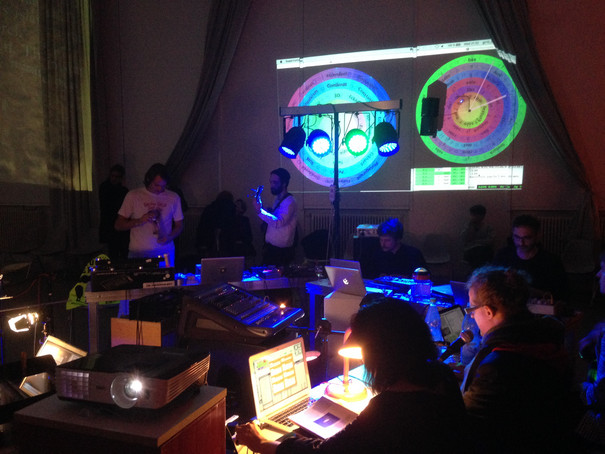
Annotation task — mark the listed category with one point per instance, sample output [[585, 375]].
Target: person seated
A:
[[477, 239], [546, 272], [517, 390], [413, 392], [392, 257]]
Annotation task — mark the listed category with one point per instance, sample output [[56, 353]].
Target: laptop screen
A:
[[451, 323], [279, 377], [221, 269]]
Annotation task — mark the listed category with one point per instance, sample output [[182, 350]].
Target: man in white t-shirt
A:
[[281, 221], [153, 215]]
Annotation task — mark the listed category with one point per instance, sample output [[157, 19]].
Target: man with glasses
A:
[[517, 389], [546, 272]]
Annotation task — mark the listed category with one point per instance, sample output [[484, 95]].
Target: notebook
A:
[[280, 384], [345, 264], [220, 270], [460, 293], [346, 280], [451, 323]]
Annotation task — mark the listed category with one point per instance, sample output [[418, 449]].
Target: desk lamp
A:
[[349, 390]]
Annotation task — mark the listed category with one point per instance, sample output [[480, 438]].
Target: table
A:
[[192, 423]]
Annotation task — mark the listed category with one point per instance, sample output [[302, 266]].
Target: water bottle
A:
[[421, 289], [469, 350], [433, 320]]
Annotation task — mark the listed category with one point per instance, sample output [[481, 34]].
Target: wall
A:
[[153, 83]]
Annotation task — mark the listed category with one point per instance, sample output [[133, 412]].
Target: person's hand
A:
[[258, 205], [249, 435]]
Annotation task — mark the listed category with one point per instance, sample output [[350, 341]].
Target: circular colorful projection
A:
[[483, 110], [339, 86]]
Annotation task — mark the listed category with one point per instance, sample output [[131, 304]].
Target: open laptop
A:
[[460, 293], [280, 385], [451, 323], [219, 270], [345, 264], [346, 280]]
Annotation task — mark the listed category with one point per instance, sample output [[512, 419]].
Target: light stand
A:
[[335, 109]]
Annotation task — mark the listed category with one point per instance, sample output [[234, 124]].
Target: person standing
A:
[[153, 215], [111, 195], [281, 219]]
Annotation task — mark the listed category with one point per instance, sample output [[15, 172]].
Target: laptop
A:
[[451, 323], [280, 385], [219, 270], [346, 280], [460, 293], [345, 264]]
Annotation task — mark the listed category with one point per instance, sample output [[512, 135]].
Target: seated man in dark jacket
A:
[[517, 389]]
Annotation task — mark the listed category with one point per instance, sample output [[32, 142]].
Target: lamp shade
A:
[[293, 141], [386, 139]]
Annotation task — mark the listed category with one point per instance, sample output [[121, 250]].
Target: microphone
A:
[[465, 337]]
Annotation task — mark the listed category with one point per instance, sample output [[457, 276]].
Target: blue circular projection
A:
[[339, 86]]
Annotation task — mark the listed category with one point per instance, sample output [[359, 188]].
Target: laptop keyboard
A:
[[282, 417]]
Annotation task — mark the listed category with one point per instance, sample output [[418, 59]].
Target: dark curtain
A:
[[65, 45], [510, 29], [226, 21]]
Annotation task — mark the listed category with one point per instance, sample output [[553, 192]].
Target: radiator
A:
[[555, 232]]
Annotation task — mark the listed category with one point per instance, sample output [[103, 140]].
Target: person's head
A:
[[525, 235], [116, 174], [240, 207], [496, 294], [478, 213], [279, 181], [601, 272], [156, 178], [395, 341], [390, 234]]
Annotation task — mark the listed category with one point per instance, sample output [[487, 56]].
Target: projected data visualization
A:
[[483, 110], [467, 178]]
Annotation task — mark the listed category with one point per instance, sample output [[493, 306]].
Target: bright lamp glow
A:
[[293, 141], [319, 142], [349, 390], [357, 142], [23, 322], [386, 139]]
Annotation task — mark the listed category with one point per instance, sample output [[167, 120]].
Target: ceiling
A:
[[570, 40]]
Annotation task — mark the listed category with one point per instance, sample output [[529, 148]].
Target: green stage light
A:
[[357, 142]]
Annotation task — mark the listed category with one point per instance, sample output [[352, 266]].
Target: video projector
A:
[[132, 375]]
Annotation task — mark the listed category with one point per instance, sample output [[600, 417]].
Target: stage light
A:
[[386, 139], [23, 322], [293, 141], [319, 142], [357, 142], [349, 390]]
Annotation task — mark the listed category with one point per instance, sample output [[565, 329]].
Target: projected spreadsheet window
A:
[[279, 378], [466, 178]]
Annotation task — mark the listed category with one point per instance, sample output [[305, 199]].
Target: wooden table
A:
[[192, 423]]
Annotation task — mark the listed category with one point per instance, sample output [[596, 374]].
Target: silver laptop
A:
[[460, 293], [219, 270], [345, 264], [280, 384], [346, 280]]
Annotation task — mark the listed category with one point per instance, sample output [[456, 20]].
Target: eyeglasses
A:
[[470, 309]]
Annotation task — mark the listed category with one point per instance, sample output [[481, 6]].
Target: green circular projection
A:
[[483, 110]]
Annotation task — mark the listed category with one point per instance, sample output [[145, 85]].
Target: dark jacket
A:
[[517, 390], [422, 422]]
